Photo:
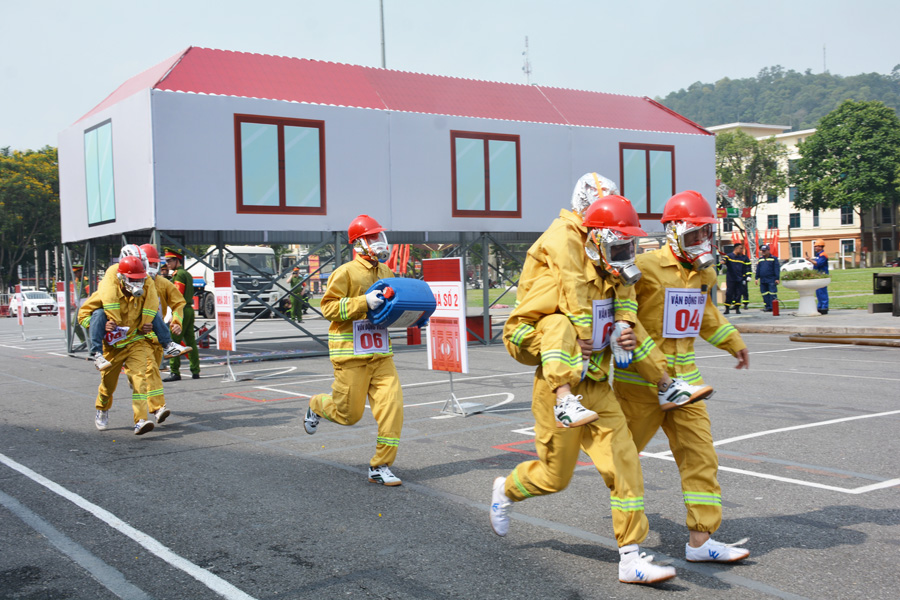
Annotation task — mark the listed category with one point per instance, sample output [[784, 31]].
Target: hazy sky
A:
[[60, 58]]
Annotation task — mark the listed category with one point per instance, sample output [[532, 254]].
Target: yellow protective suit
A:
[[687, 427], [134, 353], [553, 309], [357, 376], [109, 290]]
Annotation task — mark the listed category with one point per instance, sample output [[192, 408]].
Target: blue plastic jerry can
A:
[[407, 302]]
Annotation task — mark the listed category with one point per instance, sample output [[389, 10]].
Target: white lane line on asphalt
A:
[[821, 374], [667, 455], [272, 389], [13, 347], [860, 490], [108, 576], [213, 582]]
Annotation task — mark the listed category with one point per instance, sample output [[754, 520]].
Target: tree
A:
[[29, 207], [753, 169], [853, 159]]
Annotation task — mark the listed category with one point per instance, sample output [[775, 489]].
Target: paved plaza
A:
[[230, 498]]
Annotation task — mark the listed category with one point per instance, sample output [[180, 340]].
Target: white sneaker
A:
[[173, 350], [500, 506], [637, 567], [311, 422], [100, 361], [570, 413], [713, 551], [680, 393], [101, 419], [383, 476], [161, 414], [142, 427]]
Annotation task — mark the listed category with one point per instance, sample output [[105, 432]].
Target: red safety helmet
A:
[[361, 226], [132, 267], [613, 212], [689, 206], [150, 252]]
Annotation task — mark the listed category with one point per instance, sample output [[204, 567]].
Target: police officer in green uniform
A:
[[185, 284], [296, 296]]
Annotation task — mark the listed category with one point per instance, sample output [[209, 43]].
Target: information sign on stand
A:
[[61, 304], [224, 294], [20, 312], [446, 333]]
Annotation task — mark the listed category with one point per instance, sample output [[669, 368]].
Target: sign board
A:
[[446, 332], [222, 289], [20, 303], [61, 303], [723, 212]]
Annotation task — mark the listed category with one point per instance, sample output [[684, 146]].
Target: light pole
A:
[[383, 61]]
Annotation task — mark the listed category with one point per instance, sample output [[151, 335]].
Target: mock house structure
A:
[[221, 147], [218, 141]]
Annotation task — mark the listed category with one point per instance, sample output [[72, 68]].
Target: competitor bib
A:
[[115, 336], [683, 312], [603, 314], [369, 338]]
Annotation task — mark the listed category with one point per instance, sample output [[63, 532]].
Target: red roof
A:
[[227, 73]]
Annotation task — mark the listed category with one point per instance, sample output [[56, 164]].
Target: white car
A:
[[34, 303], [796, 264]]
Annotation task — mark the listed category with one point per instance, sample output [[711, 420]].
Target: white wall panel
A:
[[132, 170]]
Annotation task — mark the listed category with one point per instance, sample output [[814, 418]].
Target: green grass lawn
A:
[[849, 288]]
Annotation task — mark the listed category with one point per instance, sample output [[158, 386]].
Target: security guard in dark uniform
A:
[[737, 268], [184, 281], [768, 275]]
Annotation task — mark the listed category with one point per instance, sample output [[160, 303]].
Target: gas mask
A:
[[135, 287], [692, 243], [152, 269], [374, 246], [614, 252]]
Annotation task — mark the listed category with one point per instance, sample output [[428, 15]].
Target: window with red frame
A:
[[485, 170], [648, 176], [280, 165]]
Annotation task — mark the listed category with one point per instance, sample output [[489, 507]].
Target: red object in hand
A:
[[388, 293]]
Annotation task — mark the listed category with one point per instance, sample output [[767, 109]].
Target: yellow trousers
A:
[[606, 441], [137, 359], [156, 399], [376, 379], [691, 442], [553, 346]]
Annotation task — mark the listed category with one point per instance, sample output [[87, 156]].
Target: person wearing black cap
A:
[[768, 275]]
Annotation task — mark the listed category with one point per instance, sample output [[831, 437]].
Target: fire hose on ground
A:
[[891, 340]]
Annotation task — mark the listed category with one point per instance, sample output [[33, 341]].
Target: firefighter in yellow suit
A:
[[169, 298], [359, 371], [547, 320], [133, 351], [675, 306]]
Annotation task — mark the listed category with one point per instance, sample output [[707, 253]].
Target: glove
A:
[[374, 299], [621, 356]]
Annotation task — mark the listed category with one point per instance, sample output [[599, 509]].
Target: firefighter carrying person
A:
[[361, 372], [108, 289], [126, 348], [737, 272], [768, 275], [675, 306], [552, 327], [169, 299], [184, 281]]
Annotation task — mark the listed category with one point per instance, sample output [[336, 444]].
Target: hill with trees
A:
[[779, 97]]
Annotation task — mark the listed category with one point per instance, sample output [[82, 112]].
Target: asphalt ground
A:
[[230, 498]]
